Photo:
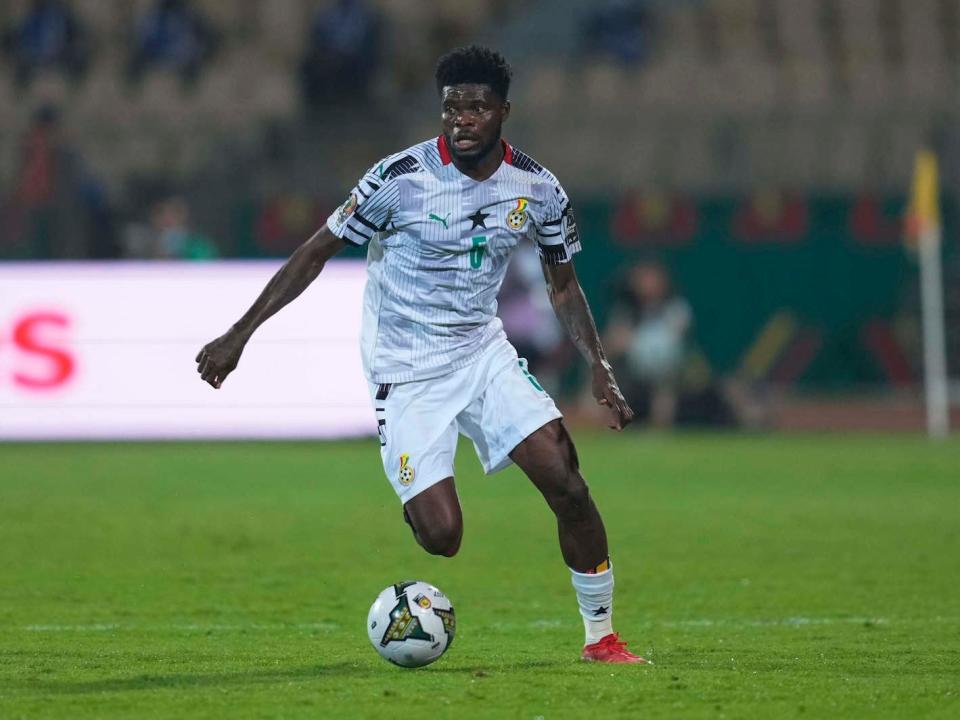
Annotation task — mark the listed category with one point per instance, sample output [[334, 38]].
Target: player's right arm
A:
[[219, 357]]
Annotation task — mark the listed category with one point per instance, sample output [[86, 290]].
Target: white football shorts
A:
[[494, 401]]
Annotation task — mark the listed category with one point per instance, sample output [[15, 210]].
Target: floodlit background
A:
[[741, 170]]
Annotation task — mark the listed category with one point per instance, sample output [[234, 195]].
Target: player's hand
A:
[[607, 393], [219, 357]]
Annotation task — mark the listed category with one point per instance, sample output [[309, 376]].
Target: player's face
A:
[[472, 118]]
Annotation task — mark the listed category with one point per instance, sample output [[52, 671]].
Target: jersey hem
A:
[[416, 376], [476, 352]]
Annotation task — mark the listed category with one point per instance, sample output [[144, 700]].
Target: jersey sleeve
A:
[[368, 209], [557, 235]]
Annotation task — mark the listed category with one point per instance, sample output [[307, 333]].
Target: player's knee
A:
[[441, 538], [571, 497]]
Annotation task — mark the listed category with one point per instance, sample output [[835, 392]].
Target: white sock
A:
[[595, 597]]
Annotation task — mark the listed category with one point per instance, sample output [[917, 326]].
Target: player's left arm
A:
[[570, 305]]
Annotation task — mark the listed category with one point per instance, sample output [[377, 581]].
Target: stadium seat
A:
[[282, 28]]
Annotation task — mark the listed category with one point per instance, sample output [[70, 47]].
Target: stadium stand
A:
[[852, 85]]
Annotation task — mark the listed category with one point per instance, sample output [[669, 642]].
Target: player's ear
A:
[[505, 110]]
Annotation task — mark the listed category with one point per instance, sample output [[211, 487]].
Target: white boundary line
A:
[[177, 627], [542, 624]]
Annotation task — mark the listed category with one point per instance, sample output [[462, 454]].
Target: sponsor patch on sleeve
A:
[[572, 235]]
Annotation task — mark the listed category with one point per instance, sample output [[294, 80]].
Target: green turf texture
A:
[[810, 576]]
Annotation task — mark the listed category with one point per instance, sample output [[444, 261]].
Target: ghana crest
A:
[[346, 210], [406, 474], [517, 217]]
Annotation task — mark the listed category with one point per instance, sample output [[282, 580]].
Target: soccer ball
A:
[[411, 624]]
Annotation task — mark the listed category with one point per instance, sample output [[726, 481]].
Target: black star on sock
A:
[[601, 611], [478, 219]]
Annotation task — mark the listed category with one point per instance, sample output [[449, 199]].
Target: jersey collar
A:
[[446, 158]]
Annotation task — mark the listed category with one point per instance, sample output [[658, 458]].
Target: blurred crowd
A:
[[59, 209], [50, 37], [231, 103], [59, 204]]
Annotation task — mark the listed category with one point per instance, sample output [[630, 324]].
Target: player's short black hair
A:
[[474, 64]]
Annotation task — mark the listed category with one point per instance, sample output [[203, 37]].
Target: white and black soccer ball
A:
[[411, 624]]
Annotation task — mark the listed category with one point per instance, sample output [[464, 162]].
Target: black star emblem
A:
[[478, 219], [601, 611]]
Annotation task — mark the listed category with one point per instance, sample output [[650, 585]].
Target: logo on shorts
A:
[[406, 475], [346, 210], [518, 216]]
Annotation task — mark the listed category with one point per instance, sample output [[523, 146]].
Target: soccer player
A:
[[441, 220]]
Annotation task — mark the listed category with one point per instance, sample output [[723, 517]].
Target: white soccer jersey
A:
[[440, 243]]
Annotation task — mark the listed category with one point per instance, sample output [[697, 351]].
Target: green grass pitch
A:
[[810, 576]]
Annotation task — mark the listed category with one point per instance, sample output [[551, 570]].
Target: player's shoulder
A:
[[526, 164], [542, 181], [419, 158], [537, 173]]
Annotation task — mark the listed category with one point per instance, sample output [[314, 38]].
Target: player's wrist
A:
[[240, 332]]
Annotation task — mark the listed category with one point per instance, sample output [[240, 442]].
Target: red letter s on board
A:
[[26, 338]]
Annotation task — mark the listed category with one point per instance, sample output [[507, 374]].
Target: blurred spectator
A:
[[58, 209], [175, 36], [48, 37], [169, 235], [38, 160], [619, 29], [663, 376], [342, 54], [647, 342]]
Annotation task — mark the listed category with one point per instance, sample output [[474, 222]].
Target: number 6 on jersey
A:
[[476, 252]]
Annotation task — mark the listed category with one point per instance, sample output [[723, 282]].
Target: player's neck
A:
[[483, 167]]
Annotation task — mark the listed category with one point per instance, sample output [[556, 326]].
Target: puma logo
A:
[[442, 220]]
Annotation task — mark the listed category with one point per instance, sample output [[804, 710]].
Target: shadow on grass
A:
[[180, 681]]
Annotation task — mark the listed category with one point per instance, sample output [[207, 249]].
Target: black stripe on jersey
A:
[[360, 189], [362, 219], [352, 229], [382, 391], [552, 254], [405, 165], [525, 162], [351, 241], [372, 185], [543, 234], [553, 222]]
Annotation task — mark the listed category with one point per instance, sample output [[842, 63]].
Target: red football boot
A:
[[611, 649]]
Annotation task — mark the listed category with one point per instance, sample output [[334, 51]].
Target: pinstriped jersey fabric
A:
[[439, 245]]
